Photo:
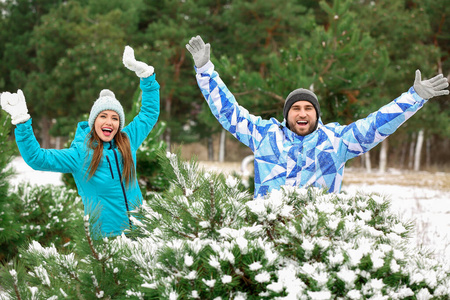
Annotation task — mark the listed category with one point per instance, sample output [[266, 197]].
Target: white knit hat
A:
[[106, 101]]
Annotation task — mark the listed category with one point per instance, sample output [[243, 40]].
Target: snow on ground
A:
[[428, 209], [428, 206], [27, 174]]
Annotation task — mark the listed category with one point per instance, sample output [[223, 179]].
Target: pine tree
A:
[[414, 34], [7, 224], [45, 214], [205, 238]]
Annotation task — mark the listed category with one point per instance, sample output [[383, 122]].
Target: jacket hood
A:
[[82, 132]]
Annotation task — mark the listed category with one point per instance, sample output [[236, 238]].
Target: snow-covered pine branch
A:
[[294, 243]]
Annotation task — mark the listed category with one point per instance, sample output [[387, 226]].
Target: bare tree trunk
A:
[[210, 149], [167, 138], [367, 162], [168, 111], [383, 156], [428, 152], [177, 62], [44, 133], [403, 155], [222, 146], [411, 151], [418, 150]]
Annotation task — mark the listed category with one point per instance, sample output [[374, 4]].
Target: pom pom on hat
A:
[[106, 101]]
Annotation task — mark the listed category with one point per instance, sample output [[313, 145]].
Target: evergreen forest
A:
[[355, 55], [201, 234]]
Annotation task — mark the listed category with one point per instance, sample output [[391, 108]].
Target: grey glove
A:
[[141, 69], [199, 50], [430, 88], [15, 105]]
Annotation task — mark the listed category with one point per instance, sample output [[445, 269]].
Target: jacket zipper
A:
[[110, 168], [123, 188]]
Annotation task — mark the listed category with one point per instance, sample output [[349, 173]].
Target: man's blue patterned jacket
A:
[[285, 158]]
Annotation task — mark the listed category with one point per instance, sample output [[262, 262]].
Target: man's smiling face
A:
[[302, 118]]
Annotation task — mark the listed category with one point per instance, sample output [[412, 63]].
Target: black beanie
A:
[[301, 95]]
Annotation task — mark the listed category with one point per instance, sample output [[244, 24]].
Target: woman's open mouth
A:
[[107, 131]]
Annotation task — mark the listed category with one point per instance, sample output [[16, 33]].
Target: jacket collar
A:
[[109, 145]]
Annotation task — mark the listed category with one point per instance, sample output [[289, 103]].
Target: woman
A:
[[102, 156]]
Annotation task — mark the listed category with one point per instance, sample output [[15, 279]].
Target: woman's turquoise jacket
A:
[[104, 195]]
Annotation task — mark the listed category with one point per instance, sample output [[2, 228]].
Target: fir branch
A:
[[15, 281], [41, 206], [273, 95], [241, 274], [185, 193], [78, 292], [16, 290], [212, 204], [269, 233], [88, 236], [174, 216], [185, 208], [183, 234], [97, 288], [170, 222]]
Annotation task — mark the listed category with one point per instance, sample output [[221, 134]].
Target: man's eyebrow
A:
[[298, 105]]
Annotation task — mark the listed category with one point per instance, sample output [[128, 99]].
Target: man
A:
[[302, 151]]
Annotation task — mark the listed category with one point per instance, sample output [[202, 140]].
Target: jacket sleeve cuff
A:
[[416, 96], [149, 83], [21, 127], [206, 68]]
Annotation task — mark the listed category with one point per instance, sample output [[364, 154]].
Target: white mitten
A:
[[14, 104], [142, 69]]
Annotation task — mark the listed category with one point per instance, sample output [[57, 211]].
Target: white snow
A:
[[429, 209], [26, 174]]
